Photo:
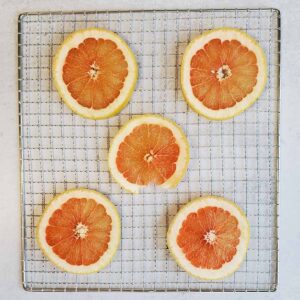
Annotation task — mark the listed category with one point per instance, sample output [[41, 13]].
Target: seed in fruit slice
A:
[[209, 237], [79, 231], [223, 72], [95, 73], [148, 149]]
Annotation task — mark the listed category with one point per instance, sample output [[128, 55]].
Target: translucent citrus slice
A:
[[79, 231], [148, 149], [209, 237], [95, 73], [223, 72]]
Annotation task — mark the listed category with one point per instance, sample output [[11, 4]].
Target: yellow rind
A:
[[203, 198], [265, 67], [61, 94], [52, 260], [173, 183]]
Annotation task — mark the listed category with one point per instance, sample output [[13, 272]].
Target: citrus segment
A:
[[95, 72], [149, 149], [80, 227], [209, 237], [223, 72], [79, 231], [148, 154]]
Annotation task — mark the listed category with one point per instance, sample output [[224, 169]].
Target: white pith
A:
[[198, 43], [176, 224], [81, 231], [220, 72], [73, 41], [94, 71], [210, 236], [181, 140], [114, 234]]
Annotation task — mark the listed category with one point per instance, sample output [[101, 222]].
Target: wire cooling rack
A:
[[237, 158]]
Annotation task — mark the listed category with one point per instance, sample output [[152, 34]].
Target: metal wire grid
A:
[[60, 150]]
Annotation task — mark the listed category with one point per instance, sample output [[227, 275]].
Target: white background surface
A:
[[289, 208]]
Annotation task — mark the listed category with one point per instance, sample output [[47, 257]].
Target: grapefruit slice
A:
[[79, 231], [209, 237], [95, 73], [148, 149], [223, 72]]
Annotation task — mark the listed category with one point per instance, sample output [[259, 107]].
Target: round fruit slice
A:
[[95, 73], [79, 231], [209, 237], [148, 149], [223, 72]]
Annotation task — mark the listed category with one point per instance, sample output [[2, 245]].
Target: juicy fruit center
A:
[[223, 73], [209, 237], [79, 231], [148, 155], [95, 72]]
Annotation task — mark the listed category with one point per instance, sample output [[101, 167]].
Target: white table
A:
[[289, 229]]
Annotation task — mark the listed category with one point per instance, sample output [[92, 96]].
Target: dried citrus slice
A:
[[223, 72], [95, 73], [148, 149], [79, 231], [209, 237]]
